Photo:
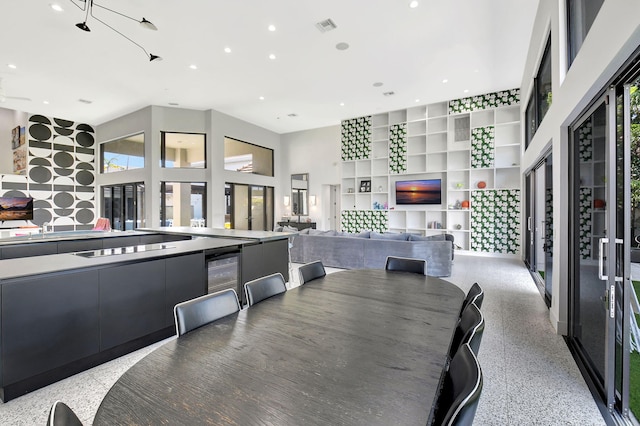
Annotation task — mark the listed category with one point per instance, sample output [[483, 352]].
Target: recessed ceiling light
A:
[[445, 81], [261, 98], [342, 46], [466, 90], [193, 67], [341, 103], [417, 100], [45, 102], [413, 4], [56, 7], [272, 56], [271, 27], [12, 66], [227, 50], [377, 84]]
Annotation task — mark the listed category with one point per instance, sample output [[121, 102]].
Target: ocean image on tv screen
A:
[[418, 191], [16, 208]]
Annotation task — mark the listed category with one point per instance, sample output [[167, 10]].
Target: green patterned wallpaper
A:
[[488, 100], [356, 138], [364, 220], [398, 148], [482, 147], [495, 221]]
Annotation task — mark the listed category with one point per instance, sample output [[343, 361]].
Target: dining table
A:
[[355, 347]]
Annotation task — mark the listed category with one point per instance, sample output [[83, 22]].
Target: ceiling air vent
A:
[[326, 25], [389, 93], [85, 101], [292, 115]]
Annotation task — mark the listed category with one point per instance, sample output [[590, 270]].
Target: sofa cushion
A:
[[389, 236], [363, 234], [427, 238]]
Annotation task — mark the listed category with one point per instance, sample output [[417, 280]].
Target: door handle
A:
[[601, 244]]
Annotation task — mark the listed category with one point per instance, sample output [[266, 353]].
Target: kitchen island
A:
[[63, 313]]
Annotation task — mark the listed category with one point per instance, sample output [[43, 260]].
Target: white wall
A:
[[614, 36], [316, 152]]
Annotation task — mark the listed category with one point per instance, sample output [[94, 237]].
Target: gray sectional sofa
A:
[[370, 249]]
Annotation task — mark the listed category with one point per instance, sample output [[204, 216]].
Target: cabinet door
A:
[[185, 277], [132, 302], [275, 258], [28, 250], [48, 322]]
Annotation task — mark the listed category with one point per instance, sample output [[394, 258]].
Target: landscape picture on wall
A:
[[16, 208]]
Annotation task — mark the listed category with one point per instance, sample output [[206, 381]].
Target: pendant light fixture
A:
[[88, 9]]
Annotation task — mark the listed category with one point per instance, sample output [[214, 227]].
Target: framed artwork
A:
[[20, 160], [22, 136], [365, 186], [15, 137]]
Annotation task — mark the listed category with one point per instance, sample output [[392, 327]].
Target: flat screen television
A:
[[425, 191], [16, 208]]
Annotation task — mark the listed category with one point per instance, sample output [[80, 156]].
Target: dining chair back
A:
[[469, 330], [310, 271], [263, 288], [458, 399], [474, 295], [406, 264], [205, 309], [62, 415]]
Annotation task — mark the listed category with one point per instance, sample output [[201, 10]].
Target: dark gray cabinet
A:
[[185, 279], [29, 249], [132, 302], [79, 245], [47, 322], [265, 258]]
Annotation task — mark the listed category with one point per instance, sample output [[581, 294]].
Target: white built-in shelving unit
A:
[[438, 146]]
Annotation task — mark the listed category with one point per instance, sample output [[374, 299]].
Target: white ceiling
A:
[[477, 45]]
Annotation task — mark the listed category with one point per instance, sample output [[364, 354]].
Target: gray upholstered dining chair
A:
[[458, 399], [474, 295], [264, 287], [406, 264], [62, 415], [468, 331], [205, 309], [310, 271]]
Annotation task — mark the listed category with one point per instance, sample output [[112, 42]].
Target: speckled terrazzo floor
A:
[[530, 377]]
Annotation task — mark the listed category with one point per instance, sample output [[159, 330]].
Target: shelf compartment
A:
[[416, 145], [416, 163], [416, 219], [380, 167], [437, 162], [417, 128], [396, 117], [458, 217], [436, 125], [507, 156], [459, 160], [397, 219], [461, 239], [363, 201], [348, 168], [363, 168], [380, 133], [438, 110], [436, 220], [482, 118], [507, 134], [380, 184], [508, 114], [417, 113], [457, 177], [437, 142], [380, 120], [460, 128], [481, 175]]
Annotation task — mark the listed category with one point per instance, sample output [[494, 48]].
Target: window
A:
[[183, 204], [580, 16], [183, 150], [123, 205], [123, 154], [541, 98], [247, 158]]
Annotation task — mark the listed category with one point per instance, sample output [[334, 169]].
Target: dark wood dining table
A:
[[357, 347]]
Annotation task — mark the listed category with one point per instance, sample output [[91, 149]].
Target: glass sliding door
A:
[[539, 236], [251, 206], [123, 205], [183, 204]]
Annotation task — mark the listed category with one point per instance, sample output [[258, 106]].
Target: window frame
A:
[[163, 149]]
